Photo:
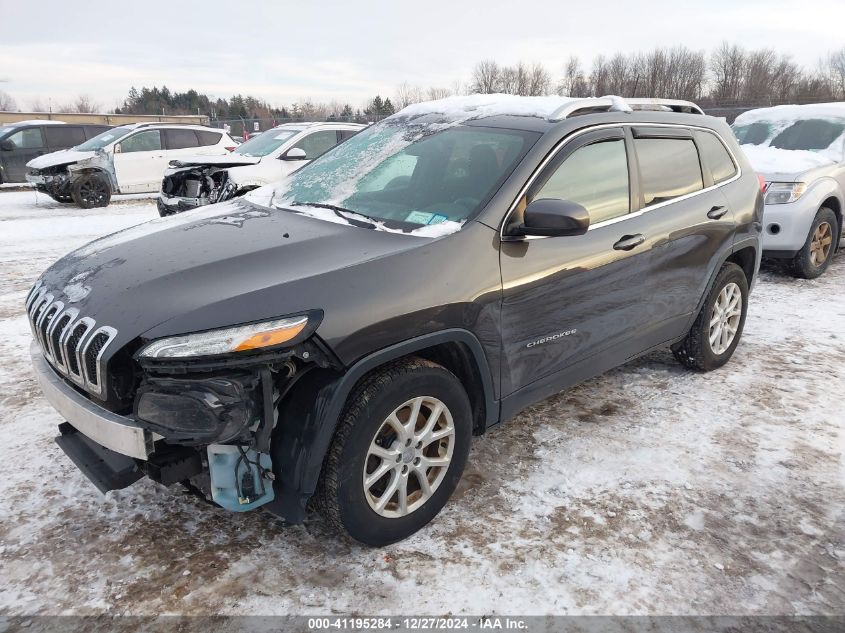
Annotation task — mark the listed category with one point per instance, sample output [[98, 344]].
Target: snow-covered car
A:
[[800, 152], [125, 159], [198, 180]]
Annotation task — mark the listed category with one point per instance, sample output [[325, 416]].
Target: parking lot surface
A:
[[650, 490]]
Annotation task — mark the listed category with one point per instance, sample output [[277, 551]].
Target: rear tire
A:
[[716, 331], [814, 257], [373, 459], [91, 191]]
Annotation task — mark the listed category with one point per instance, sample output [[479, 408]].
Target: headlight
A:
[[784, 192], [241, 338]]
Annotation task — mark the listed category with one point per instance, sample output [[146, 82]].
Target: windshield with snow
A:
[[405, 175], [101, 140], [810, 134], [265, 144]]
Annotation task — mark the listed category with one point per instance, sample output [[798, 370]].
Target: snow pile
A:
[[772, 160], [788, 114]]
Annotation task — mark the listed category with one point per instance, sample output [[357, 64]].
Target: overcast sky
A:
[[289, 51]]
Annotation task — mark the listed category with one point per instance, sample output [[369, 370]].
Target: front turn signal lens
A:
[[271, 337]]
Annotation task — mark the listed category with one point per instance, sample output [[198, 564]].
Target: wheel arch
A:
[[309, 416], [834, 203]]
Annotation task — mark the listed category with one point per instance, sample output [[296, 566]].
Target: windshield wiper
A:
[[350, 216]]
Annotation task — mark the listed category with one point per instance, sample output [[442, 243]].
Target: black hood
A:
[[221, 265]]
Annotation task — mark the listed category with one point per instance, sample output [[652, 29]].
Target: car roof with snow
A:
[[36, 122], [541, 114], [165, 124], [790, 113]]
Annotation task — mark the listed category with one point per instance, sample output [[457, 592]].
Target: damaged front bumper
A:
[[196, 417], [115, 432]]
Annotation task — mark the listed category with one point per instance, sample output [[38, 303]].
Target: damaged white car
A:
[[196, 181], [125, 159], [800, 152]]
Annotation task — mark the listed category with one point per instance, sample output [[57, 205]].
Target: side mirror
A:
[[7, 146], [117, 148], [294, 153], [553, 218]]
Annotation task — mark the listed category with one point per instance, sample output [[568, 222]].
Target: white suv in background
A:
[[800, 151], [198, 180], [124, 159]]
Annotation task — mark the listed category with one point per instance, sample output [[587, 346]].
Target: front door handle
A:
[[717, 212], [628, 242]]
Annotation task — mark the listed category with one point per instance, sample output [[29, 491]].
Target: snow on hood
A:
[[772, 160], [62, 157]]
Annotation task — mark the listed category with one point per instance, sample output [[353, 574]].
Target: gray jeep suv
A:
[[337, 338]]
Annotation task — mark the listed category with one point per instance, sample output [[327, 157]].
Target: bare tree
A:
[[539, 81], [728, 65], [574, 82], [406, 94], [485, 77], [84, 104], [7, 104], [433, 93]]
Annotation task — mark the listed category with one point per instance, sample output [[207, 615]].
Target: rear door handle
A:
[[717, 212], [628, 242]]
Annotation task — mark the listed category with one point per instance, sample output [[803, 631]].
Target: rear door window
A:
[[345, 134], [317, 143], [146, 141], [180, 139], [669, 168], [716, 157], [28, 138], [208, 138], [62, 136], [596, 177]]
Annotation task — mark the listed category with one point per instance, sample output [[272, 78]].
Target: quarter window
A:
[[716, 156], [594, 176], [208, 138], [147, 141], [669, 167], [29, 138]]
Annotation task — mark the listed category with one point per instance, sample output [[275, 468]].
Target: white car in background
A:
[[800, 151], [124, 159], [197, 180]]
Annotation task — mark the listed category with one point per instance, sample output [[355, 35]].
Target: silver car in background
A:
[[800, 152]]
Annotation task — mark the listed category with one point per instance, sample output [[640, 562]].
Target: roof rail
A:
[[148, 123], [607, 104]]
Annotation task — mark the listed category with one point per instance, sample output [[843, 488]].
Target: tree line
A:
[[728, 76]]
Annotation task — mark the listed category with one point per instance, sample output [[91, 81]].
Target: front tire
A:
[[398, 453], [714, 335], [814, 258], [91, 191]]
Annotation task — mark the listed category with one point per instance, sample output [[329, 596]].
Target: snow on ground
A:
[[650, 490]]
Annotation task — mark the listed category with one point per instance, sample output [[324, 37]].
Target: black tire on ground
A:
[[341, 496], [90, 191], [695, 350], [811, 261]]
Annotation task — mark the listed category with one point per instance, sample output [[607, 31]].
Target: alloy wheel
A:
[[93, 191], [725, 317], [409, 456], [821, 244]]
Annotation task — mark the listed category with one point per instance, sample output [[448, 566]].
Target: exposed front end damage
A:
[[57, 180], [190, 187], [208, 426]]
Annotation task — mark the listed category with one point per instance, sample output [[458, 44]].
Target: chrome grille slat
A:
[[73, 345]]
